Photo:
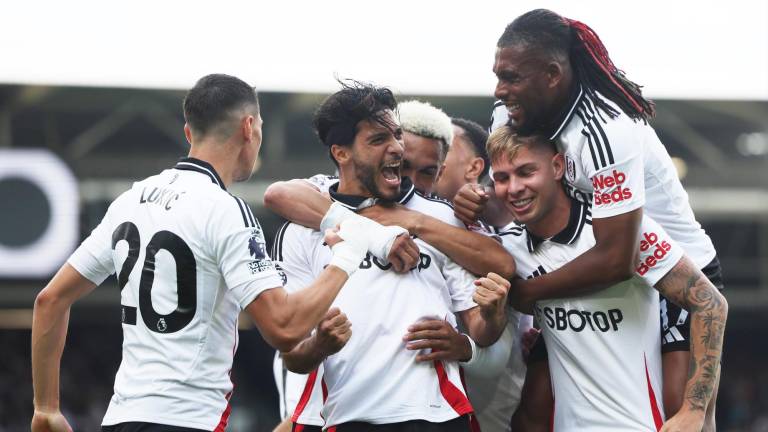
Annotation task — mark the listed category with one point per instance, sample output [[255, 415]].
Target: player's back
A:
[[185, 252]]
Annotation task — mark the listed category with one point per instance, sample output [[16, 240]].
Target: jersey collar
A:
[[357, 203], [580, 215], [566, 114], [201, 166]]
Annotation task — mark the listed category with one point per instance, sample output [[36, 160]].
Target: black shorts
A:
[[459, 424], [675, 325], [146, 427]]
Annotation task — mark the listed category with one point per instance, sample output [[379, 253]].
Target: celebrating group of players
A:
[[396, 277]]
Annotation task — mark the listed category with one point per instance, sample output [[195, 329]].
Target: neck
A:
[[350, 185], [219, 156], [555, 220]]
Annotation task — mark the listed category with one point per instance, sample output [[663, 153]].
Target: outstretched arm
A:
[[687, 286], [49, 331]]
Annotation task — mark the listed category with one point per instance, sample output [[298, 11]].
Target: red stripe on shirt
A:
[[305, 395], [456, 399], [652, 396]]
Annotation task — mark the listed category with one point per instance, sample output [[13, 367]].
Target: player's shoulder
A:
[[291, 235], [322, 181], [434, 206], [512, 236]]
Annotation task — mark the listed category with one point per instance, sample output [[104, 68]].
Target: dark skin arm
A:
[[534, 413], [608, 262]]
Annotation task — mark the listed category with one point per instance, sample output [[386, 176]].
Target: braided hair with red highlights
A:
[[592, 67]]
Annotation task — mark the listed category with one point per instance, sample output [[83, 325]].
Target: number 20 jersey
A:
[[189, 256]]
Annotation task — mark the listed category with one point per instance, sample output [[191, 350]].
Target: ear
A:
[[342, 154], [188, 133], [474, 169], [555, 73], [558, 166], [246, 127]]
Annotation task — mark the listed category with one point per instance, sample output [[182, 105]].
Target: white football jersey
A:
[[189, 257], [374, 378], [619, 165], [603, 348]]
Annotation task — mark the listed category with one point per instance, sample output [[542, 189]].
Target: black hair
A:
[[593, 68], [477, 136], [336, 119], [213, 100]]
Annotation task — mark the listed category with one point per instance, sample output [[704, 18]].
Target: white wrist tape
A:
[[380, 238], [334, 216], [346, 257]]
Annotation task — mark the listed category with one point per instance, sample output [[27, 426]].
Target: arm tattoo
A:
[[686, 286]]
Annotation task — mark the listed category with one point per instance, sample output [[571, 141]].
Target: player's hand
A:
[[469, 203], [438, 335], [404, 254], [685, 420], [50, 422], [332, 237], [491, 296], [333, 332]]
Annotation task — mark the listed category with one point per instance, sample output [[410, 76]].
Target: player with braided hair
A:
[[555, 78]]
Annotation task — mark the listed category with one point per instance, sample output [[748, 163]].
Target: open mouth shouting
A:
[[390, 171]]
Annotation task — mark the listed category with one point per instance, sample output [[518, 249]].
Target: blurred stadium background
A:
[[66, 151]]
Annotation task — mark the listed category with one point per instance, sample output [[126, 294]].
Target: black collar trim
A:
[[201, 166], [579, 216], [357, 203], [566, 116]]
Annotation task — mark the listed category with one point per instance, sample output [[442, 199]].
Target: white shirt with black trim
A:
[[189, 257], [374, 378], [496, 399], [619, 165], [603, 348]]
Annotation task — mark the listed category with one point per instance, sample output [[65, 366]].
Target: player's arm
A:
[[331, 336], [486, 322], [301, 202], [608, 262], [298, 201], [534, 413], [50, 320], [480, 254], [687, 286]]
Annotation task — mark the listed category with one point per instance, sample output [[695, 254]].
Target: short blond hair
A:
[[504, 143]]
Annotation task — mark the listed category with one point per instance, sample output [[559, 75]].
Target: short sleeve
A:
[[291, 256], [241, 251], [322, 182], [460, 285], [657, 253], [613, 158], [93, 258]]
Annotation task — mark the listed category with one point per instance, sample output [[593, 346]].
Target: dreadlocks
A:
[[566, 38]]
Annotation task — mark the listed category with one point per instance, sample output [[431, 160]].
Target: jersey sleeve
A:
[[614, 163], [657, 253], [322, 182], [93, 258], [291, 256], [460, 285], [241, 251]]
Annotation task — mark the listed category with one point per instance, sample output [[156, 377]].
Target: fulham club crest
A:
[[570, 169]]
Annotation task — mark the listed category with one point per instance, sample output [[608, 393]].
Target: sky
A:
[[677, 49]]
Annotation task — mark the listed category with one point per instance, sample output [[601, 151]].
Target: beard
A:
[[366, 174]]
